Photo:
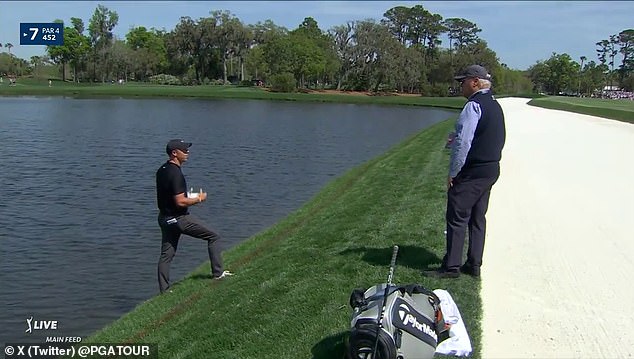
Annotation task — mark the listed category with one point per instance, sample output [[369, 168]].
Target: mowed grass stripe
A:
[[290, 299], [620, 110]]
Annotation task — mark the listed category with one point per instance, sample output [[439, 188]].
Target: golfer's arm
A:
[[183, 201]]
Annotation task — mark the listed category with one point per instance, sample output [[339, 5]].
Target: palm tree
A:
[[583, 58], [613, 51], [8, 45], [35, 61]]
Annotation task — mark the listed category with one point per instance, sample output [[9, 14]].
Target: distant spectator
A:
[[619, 95]]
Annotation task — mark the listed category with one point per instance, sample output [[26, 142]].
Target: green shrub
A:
[[163, 79], [385, 88], [245, 83], [429, 90], [219, 82], [284, 82]]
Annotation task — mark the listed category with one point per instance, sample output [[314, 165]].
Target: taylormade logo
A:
[[409, 319]]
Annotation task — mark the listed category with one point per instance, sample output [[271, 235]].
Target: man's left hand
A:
[[449, 182]]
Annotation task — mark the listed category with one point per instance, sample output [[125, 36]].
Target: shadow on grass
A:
[[408, 256], [199, 276], [332, 347]]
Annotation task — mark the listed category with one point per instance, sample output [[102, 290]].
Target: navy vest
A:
[[483, 159]]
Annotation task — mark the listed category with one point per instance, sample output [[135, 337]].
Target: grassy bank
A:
[[289, 297], [620, 110], [132, 90]]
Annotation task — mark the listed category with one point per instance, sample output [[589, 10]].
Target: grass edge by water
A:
[[221, 92], [396, 198]]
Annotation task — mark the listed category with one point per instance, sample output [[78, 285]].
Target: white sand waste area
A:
[[558, 272]]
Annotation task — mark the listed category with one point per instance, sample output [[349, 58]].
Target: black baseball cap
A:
[[473, 71], [177, 145]]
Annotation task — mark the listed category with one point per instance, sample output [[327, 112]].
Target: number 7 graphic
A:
[[35, 30]]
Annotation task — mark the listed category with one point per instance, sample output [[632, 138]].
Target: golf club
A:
[[385, 294]]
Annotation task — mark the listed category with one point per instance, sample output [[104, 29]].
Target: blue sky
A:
[[520, 32]]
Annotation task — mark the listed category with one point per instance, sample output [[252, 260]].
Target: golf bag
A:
[[411, 327]]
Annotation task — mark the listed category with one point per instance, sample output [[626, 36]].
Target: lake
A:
[[79, 231]]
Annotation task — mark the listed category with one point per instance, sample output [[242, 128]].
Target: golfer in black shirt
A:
[[174, 218]]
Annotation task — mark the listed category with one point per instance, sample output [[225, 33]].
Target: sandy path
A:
[[558, 273]]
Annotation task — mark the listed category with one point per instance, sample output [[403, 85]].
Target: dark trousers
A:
[[467, 204], [171, 230]]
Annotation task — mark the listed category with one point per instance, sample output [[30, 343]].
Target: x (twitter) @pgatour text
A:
[[93, 350]]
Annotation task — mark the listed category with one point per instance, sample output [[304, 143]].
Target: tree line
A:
[[400, 52], [561, 74], [403, 51]]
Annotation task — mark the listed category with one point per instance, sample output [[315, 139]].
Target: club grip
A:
[[394, 253]]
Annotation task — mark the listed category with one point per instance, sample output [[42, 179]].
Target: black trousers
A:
[[467, 204], [171, 230]]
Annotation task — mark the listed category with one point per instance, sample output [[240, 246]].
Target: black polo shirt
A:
[[170, 182]]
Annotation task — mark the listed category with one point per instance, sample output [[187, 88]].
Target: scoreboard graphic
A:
[[41, 33]]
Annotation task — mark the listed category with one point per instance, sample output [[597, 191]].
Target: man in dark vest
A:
[[473, 169], [174, 219]]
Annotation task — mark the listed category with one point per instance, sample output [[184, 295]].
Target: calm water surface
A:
[[79, 234]]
